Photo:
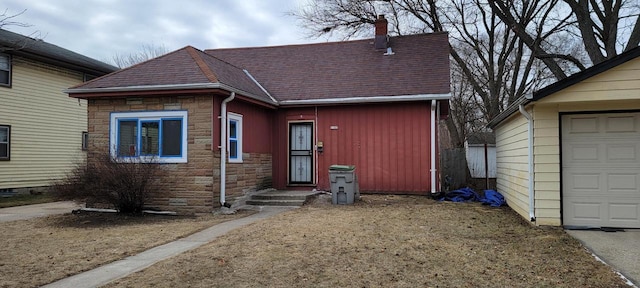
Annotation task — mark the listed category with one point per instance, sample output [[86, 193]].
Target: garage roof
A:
[[566, 82]]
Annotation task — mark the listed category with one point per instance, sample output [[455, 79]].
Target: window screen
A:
[[127, 137], [171, 137]]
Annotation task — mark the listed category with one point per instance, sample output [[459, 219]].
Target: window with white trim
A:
[[234, 137], [5, 142], [158, 135], [5, 70]]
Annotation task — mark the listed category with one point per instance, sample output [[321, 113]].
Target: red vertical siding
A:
[[281, 141], [256, 126], [388, 143], [257, 123]]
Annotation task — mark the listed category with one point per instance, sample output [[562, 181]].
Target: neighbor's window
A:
[[5, 142], [5, 70], [88, 77], [234, 130], [85, 141], [161, 135]]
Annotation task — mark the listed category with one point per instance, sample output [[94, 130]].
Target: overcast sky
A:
[[102, 28]]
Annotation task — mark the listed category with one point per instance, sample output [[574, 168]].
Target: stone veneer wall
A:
[[191, 187], [252, 174], [188, 187]]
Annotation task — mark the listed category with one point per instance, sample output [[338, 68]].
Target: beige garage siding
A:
[[46, 125], [512, 163], [614, 90], [546, 149], [617, 84]]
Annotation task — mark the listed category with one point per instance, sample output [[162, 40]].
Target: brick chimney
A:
[[381, 41]]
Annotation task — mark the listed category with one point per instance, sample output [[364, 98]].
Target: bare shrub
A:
[[124, 184]]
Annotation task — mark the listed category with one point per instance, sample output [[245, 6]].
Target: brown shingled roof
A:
[[420, 65], [186, 66]]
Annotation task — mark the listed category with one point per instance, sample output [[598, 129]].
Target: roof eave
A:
[[588, 73], [62, 63], [513, 108], [367, 99], [142, 88]]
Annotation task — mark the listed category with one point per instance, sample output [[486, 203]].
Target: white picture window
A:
[[160, 136], [234, 137]]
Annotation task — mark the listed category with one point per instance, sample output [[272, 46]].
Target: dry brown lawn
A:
[[39, 251], [385, 241]]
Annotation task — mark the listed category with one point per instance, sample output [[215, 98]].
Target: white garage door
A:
[[601, 170]]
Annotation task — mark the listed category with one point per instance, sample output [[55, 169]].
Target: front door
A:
[[301, 153]]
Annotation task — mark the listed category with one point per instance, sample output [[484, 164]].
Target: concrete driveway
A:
[[621, 250], [37, 210]]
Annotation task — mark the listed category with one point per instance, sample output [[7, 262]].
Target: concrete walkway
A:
[[621, 250], [115, 270], [37, 210]]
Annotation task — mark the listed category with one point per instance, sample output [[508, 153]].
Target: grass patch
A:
[[25, 199], [385, 241], [42, 250]]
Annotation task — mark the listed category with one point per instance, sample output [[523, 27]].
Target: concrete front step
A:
[[275, 202], [281, 198], [269, 196]]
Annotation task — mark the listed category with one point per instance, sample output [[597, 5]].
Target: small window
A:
[[5, 70], [155, 135], [88, 77], [85, 141], [5, 142], [234, 130]]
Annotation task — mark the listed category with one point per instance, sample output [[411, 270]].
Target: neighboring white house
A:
[[42, 129]]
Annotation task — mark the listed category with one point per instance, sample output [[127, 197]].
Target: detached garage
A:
[[570, 153]]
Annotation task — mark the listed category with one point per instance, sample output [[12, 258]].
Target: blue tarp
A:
[[491, 197]]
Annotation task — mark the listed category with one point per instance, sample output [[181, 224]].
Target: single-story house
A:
[[570, 153], [278, 116], [42, 130]]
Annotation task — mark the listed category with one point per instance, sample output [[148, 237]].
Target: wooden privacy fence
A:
[[454, 168]]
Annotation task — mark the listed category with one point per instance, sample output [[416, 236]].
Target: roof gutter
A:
[[166, 87], [513, 108], [84, 68], [370, 99]]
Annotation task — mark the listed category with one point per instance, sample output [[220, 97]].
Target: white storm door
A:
[[301, 153]]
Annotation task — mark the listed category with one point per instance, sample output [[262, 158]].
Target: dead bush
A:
[[126, 184]]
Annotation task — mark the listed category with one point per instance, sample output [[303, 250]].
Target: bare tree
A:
[[147, 52], [7, 19], [465, 115], [605, 28], [494, 65]]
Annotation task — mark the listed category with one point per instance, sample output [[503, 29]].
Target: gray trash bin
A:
[[344, 184]]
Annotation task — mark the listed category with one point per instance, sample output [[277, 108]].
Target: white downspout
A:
[[223, 149], [433, 147], [532, 198]]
